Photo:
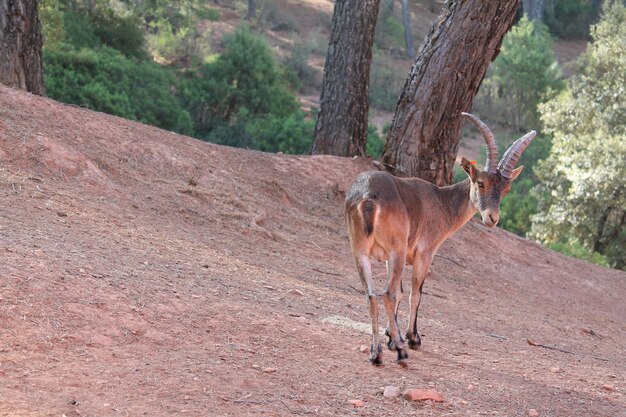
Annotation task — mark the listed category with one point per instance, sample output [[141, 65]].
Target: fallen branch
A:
[[327, 273], [531, 342], [435, 295], [451, 260]]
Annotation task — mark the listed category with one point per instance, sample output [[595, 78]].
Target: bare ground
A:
[[147, 273]]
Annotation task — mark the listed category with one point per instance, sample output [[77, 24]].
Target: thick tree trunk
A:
[[406, 22], [341, 127], [442, 83], [534, 9], [21, 63]]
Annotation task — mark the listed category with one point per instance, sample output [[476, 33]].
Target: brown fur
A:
[[404, 221]]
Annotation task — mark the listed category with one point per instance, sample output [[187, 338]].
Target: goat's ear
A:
[[516, 172], [469, 168]]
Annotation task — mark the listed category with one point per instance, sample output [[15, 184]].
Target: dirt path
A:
[[146, 273]]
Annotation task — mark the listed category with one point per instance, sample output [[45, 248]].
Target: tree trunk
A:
[[406, 22], [533, 9], [341, 127], [21, 63], [251, 14], [442, 83]]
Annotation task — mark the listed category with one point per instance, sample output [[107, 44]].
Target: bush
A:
[[105, 80], [576, 250], [291, 134], [244, 78], [570, 18], [389, 32], [92, 28], [582, 198], [298, 71], [385, 82], [375, 143], [52, 28], [524, 74]]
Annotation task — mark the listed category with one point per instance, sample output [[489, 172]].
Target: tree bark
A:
[[21, 63], [534, 9], [406, 22], [341, 127], [251, 14], [445, 76]]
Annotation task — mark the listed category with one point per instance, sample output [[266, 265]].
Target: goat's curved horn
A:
[[492, 149], [513, 154]]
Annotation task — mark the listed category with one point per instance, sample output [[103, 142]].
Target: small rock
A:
[[296, 292], [364, 349], [356, 403], [533, 413], [415, 394], [391, 392], [269, 370], [608, 388], [555, 369]]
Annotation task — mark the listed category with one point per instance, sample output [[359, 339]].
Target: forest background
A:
[[248, 74]]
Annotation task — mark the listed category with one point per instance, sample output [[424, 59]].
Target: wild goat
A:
[[405, 220]]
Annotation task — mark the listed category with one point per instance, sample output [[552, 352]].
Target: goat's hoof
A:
[[415, 344], [376, 355], [390, 344], [403, 358], [414, 341]]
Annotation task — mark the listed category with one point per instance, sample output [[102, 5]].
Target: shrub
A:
[[582, 198], [244, 76], [375, 143], [105, 80], [385, 82], [524, 74], [570, 18], [298, 71]]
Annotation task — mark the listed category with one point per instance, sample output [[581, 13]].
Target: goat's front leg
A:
[[391, 298], [421, 265]]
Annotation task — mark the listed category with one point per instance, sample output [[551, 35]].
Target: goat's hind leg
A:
[[391, 299], [364, 266], [421, 265]]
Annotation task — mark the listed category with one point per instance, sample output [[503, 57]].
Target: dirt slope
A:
[[147, 273]]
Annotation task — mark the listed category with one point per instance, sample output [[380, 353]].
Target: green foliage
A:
[[51, 17], [582, 198], [241, 99], [524, 74], [375, 144], [173, 35], [95, 26], [576, 250], [119, 32], [105, 80], [518, 206], [389, 32], [291, 134], [298, 71], [385, 82], [569, 18]]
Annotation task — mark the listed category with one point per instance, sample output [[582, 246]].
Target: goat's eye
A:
[[480, 184]]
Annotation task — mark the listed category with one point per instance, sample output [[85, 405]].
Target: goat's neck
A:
[[461, 208]]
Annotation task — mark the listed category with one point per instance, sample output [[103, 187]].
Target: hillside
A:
[[147, 273]]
